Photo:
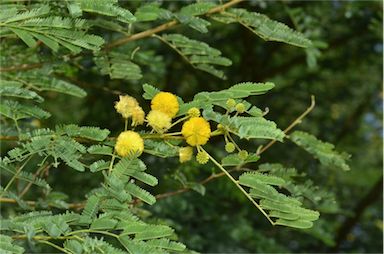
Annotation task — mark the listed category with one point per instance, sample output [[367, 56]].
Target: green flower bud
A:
[[230, 147], [230, 103], [240, 107], [202, 157], [194, 112], [243, 154]]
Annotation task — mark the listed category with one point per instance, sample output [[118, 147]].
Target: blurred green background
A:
[[345, 74]]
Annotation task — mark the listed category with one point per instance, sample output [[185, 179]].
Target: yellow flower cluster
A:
[[159, 121], [196, 131], [165, 102], [185, 154], [164, 106], [128, 106], [129, 143]]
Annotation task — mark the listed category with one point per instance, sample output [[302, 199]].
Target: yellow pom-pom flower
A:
[[166, 103], [185, 154], [138, 116], [159, 121], [125, 105], [196, 131], [129, 143]]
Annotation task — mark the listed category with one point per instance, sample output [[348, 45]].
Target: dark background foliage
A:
[[347, 84]]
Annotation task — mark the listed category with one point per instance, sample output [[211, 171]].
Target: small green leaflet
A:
[[247, 127], [199, 54], [264, 27], [235, 160], [323, 151]]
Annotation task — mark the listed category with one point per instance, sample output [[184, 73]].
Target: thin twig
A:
[[293, 124], [14, 177], [40, 170], [74, 206], [205, 181], [239, 187]]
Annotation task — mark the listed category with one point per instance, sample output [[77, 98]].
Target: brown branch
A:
[[22, 67], [150, 32], [34, 203], [206, 180], [40, 172], [9, 138]]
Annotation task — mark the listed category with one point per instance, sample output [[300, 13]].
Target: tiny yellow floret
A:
[[185, 154], [193, 112], [125, 105], [166, 103], [202, 157], [138, 116], [129, 143], [159, 121], [196, 131]]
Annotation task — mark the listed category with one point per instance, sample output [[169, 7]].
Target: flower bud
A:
[[193, 112], [230, 103], [240, 108], [243, 154], [202, 157], [230, 147]]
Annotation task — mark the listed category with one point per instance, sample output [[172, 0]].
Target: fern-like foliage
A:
[[104, 7], [188, 15], [16, 111], [8, 247], [60, 144], [247, 127], [199, 54], [54, 31], [261, 25], [121, 188], [323, 200], [160, 148], [204, 100], [118, 66], [323, 151], [287, 211], [21, 92], [151, 12]]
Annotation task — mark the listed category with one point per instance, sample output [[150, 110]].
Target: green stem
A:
[[111, 164], [239, 186], [17, 127], [180, 120], [233, 141], [55, 246], [126, 124], [14, 177], [92, 231]]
